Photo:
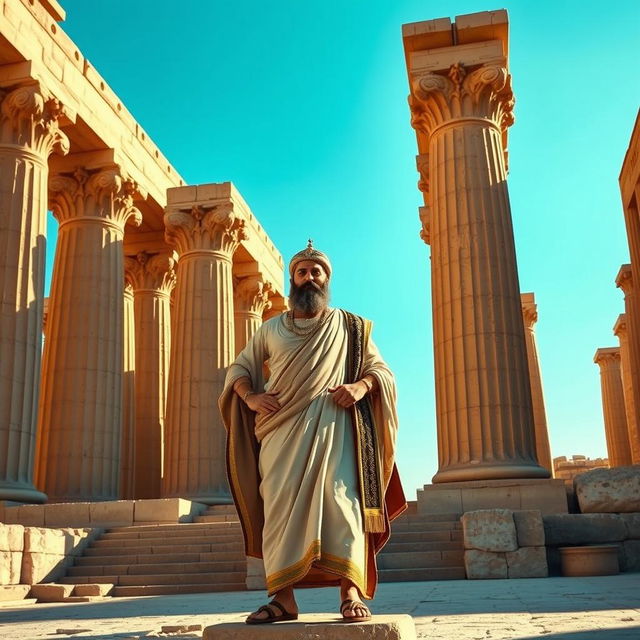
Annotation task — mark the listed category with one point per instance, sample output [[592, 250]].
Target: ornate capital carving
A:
[[156, 272], [422, 164], [529, 314], [216, 228], [251, 294], [30, 119], [620, 327], [624, 279], [607, 356], [484, 92], [425, 219], [105, 195]]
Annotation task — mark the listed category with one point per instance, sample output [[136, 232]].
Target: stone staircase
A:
[[208, 555], [203, 556], [423, 547]]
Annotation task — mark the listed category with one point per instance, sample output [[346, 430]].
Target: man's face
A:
[[309, 287]]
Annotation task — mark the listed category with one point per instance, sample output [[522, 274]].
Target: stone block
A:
[[30, 515], [51, 592], [589, 560], [489, 530], [37, 567], [614, 490], [585, 528], [498, 497], [439, 500], [629, 556], [116, 513], [14, 592], [165, 510], [42, 540], [529, 528], [256, 579], [317, 625], [67, 514], [548, 496], [485, 565], [15, 567], [5, 567], [96, 589], [11, 537], [632, 523], [527, 562]]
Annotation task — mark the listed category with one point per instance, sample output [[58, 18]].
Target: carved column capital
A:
[[152, 272], [217, 228], [607, 356], [624, 279], [620, 327], [529, 310], [437, 99], [251, 295], [30, 119], [105, 196]]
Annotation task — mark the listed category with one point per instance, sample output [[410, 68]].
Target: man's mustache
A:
[[310, 285]]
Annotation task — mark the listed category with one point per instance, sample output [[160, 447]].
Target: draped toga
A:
[[315, 484]]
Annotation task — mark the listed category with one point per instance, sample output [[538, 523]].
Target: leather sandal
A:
[[271, 614], [352, 605]]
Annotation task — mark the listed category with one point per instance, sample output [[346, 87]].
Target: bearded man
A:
[[310, 448]]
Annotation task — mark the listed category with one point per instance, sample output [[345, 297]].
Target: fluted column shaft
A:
[[251, 300], [483, 396], [81, 404], [202, 347], [128, 440], [631, 358], [530, 317], [615, 420], [153, 278], [29, 133]]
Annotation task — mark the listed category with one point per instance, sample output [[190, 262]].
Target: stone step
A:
[[425, 536], [221, 508], [411, 525], [154, 558], [428, 517], [166, 578], [13, 592], [173, 531], [173, 589], [153, 569], [421, 560], [212, 546], [182, 526], [217, 518], [417, 575], [412, 547], [165, 542]]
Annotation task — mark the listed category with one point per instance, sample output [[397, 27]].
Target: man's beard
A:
[[309, 298]]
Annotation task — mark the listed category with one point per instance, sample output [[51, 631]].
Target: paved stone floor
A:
[[605, 608]]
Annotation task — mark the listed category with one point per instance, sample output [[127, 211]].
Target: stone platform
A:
[[319, 625]]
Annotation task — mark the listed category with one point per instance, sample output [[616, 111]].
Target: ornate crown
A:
[[310, 254]]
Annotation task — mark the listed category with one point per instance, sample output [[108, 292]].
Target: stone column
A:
[[530, 317], [615, 420], [483, 394], [153, 277], [81, 404], [128, 443], [251, 300], [631, 358], [202, 347], [29, 133], [620, 331]]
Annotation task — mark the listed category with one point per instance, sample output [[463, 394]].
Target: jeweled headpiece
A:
[[310, 254]]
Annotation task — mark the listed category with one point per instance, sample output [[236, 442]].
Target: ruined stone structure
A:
[[120, 367], [628, 329], [567, 470], [461, 105]]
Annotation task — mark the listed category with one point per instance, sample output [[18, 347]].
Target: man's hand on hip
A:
[[263, 402], [347, 395]]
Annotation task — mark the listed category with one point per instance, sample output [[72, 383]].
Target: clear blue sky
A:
[[302, 104]]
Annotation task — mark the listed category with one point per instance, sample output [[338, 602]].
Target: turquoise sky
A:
[[303, 106]]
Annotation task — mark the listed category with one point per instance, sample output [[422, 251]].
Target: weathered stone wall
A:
[[500, 543], [570, 530], [29, 555], [614, 490]]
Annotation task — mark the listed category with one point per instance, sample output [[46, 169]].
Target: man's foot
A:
[[354, 611], [272, 612]]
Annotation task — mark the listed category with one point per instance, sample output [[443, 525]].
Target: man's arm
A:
[[258, 402]]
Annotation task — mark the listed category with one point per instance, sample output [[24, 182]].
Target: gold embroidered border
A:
[[326, 561]]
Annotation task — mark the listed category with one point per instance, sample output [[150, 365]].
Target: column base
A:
[[491, 471], [21, 492], [546, 495], [208, 498]]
